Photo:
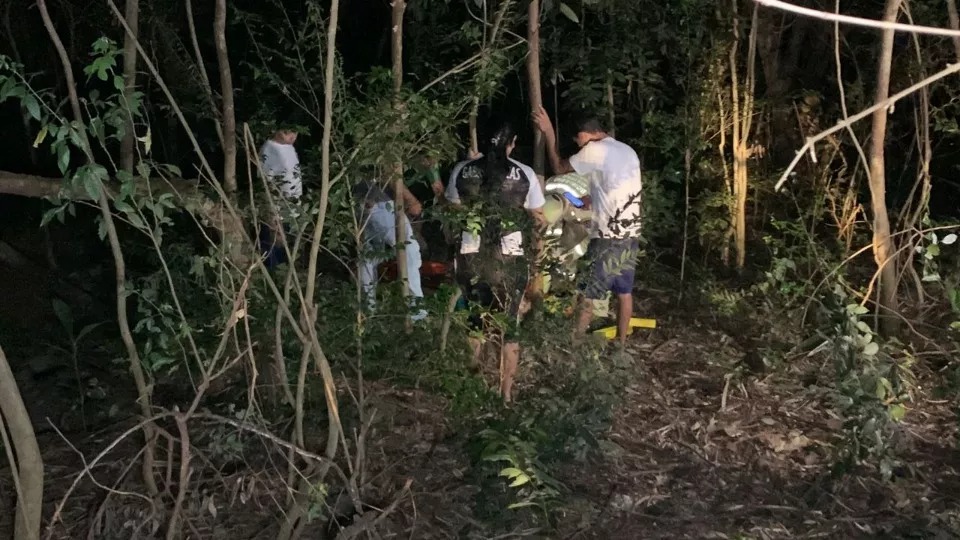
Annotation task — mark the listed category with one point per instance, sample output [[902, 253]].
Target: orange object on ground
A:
[[432, 273]]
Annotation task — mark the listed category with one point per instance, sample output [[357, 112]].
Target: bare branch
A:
[[947, 71], [858, 21]]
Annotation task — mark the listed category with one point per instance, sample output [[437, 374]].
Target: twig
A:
[[949, 70], [184, 483], [88, 470], [357, 529], [858, 21], [58, 512]]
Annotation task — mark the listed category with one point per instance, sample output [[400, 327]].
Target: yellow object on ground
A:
[[610, 332]]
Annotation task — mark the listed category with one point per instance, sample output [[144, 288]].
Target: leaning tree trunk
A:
[[28, 468], [127, 144], [882, 242]]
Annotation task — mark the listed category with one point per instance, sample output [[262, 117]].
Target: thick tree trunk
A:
[[226, 91], [882, 244], [533, 80], [28, 469], [128, 143]]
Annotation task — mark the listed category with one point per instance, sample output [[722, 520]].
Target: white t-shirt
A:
[[613, 169], [282, 167], [511, 243]]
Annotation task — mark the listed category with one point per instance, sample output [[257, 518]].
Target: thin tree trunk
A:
[[28, 468], [735, 135], [742, 122], [133, 356], [954, 24], [882, 243], [533, 80], [489, 42], [293, 523], [226, 91], [611, 108], [127, 144], [398, 7], [202, 68]]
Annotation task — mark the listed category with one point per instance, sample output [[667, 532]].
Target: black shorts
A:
[[495, 284], [612, 265]]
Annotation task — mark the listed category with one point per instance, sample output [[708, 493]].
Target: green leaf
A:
[[7, 89], [871, 349], [520, 480], [568, 13], [136, 221], [897, 412], [87, 329], [40, 137], [91, 184], [949, 239], [33, 108], [101, 228], [511, 472], [63, 158], [857, 309], [123, 207], [64, 314]]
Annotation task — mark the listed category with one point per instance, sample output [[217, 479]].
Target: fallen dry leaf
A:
[[791, 443]]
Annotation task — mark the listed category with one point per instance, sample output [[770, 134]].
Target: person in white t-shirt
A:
[[281, 166], [502, 197], [613, 170]]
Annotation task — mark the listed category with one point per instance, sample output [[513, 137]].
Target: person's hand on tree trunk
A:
[[542, 120]]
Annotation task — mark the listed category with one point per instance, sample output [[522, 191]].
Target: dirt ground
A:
[[691, 454]]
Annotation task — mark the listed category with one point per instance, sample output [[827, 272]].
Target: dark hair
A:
[[495, 157], [587, 122]]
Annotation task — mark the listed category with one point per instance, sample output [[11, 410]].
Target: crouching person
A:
[[377, 220]]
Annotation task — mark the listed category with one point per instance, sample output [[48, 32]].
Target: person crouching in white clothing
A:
[[378, 223]]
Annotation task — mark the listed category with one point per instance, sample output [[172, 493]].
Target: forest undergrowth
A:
[[716, 424]]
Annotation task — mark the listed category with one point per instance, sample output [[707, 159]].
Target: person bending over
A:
[[377, 219], [613, 170], [503, 201]]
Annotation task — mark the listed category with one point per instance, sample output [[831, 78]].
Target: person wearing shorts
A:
[[505, 199], [613, 170]]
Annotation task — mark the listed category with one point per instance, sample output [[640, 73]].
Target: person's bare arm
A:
[[539, 219], [411, 204], [542, 121]]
